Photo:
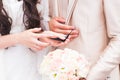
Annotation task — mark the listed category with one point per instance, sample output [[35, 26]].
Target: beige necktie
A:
[[63, 5]]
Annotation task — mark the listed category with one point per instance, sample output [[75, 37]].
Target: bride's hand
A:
[[49, 37], [30, 38]]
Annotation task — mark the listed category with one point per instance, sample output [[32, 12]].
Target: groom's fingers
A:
[[74, 32], [60, 19], [65, 27], [59, 22], [72, 37]]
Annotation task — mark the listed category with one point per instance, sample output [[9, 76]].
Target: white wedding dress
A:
[[18, 62]]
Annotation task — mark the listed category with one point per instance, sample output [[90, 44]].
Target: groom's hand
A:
[[58, 25]]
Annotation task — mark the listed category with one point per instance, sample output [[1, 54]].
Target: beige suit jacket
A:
[[99, 39]]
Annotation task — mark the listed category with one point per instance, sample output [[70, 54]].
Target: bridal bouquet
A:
[[64, 64]]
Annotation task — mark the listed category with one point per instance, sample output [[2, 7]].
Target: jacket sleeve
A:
[[111, 55]]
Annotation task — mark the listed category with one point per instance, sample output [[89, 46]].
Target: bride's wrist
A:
[[16, 38]]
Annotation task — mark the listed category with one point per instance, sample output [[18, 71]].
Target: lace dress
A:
[[18, 62]]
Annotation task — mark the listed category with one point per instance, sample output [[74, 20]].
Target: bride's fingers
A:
[[50, 41], [51, 34], [41, 43], [35, 49], [44, 35], [35, 30], [39, 46]]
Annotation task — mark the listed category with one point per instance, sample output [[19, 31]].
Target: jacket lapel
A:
[[71, 6]]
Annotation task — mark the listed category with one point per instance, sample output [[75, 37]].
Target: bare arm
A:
[[8, 40], [27, 38]]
